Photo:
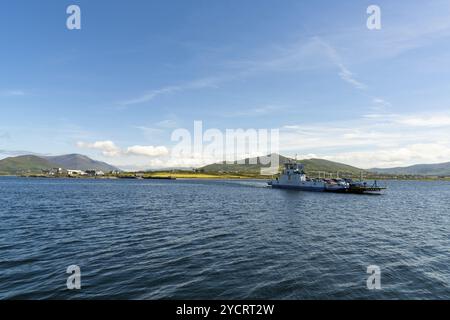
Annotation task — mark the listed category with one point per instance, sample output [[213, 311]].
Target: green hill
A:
[[312, 167], [35, 164], [22, 164]]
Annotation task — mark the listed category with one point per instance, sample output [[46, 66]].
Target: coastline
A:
[[202, 176]]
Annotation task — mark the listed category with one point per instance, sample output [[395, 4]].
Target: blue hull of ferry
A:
[[299, 188]]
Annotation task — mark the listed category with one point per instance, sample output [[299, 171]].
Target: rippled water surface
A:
[[141, 239]]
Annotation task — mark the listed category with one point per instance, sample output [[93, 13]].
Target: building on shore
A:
[[72, 172], [94, 173], [54, 171], [75, 173]]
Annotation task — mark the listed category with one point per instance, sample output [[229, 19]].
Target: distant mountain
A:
[[311, 166], [26, 163], [35, 164], [439, 169], [79, 162]]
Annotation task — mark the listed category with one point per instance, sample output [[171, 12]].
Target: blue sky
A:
[[137, 70]]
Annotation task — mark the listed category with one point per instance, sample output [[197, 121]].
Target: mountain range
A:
[[37, 163], [34, 163], [311, 166], [438, 169], [321, 165]]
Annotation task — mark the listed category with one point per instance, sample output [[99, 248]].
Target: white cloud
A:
[[320, 138], [169, 161], [149, 151], [393, 157], [379, 140], [108, 148], [188, 161], [425, 121]]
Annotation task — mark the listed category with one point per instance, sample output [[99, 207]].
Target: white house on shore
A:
[[74, 173]]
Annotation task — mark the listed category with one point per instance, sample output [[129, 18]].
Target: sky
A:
[[116, 89]]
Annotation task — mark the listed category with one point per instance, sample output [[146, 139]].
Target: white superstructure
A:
[[293, 177]]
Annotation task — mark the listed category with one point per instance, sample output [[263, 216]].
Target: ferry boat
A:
[[294, 177]]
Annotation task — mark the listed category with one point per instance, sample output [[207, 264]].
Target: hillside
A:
[[35, 164], [27, 163], [311, 166], [79, 162], [439, 169]]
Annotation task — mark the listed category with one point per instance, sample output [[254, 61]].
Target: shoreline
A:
[[205, 177]]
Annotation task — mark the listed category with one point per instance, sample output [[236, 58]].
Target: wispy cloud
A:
[[422, 26], [431, 121], [154, 132], [12, 93], [256, 112], [348, 76], [210, 82], [150, 132], [435, 120], [296, 57], [344, 73], [381, 103], [167, 123]]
